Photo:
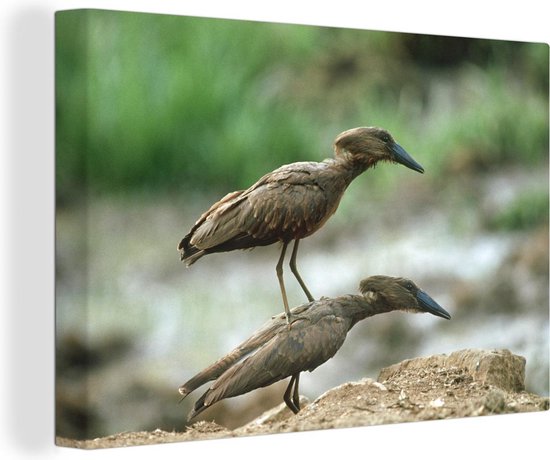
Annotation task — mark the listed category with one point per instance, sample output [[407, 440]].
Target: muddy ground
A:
[[466, 383]]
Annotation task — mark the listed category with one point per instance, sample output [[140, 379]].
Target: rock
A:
[[275, 415], [499, 368], [466, 383], [495, 402]]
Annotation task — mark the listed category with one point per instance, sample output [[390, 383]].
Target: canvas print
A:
[[266, 228]]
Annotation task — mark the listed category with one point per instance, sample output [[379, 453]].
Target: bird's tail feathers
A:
[[191, 258], [189, 253], [215, 370], [198, 407]]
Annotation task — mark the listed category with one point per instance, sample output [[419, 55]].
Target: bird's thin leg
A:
[[279, 270], [295, 271], [295, 395], [290, 404]]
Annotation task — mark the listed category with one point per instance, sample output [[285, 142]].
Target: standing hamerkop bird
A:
[[276, 352], [290, 203]]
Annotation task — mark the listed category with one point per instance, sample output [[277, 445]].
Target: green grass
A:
[[528, 210], [162, 104], [497, 124]]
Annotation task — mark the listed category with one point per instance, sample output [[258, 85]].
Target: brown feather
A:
[[289, 203], [277, 351]]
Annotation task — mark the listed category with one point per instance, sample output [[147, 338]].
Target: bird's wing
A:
[[306, 345], [287, 201], [263, 335], [212, 215]]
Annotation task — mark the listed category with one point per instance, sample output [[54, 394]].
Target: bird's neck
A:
[[339, 173], [364, 306], [353, 165]]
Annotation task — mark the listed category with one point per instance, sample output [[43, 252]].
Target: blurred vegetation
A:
[[166, 104], [529, 209]]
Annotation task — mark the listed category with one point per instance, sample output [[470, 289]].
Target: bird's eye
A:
[[385, 138], [409, 286]]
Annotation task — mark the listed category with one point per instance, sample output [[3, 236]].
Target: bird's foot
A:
[[291, 319]]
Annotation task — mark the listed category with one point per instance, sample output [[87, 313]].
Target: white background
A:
[[27, 231]]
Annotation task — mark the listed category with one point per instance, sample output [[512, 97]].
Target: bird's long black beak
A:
[[400, 155], [431, 306]]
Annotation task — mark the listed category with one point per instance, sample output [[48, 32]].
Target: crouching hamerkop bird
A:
[[291, 203], [275, 351]]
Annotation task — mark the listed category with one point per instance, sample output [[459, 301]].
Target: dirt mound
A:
[[465, 383]]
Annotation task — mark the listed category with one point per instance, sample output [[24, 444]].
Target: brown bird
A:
[[276, 352], [291, 202]]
